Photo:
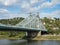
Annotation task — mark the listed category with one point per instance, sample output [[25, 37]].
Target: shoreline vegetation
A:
[[42, 37], [48, 37]]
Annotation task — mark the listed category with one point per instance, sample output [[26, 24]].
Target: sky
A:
[[22, 8]]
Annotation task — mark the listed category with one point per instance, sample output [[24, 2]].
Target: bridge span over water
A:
[[32, 25]]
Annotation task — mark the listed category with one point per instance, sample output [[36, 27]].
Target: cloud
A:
[[25, 5], [46, 5], [33, 9], [52, 14], [49, 4], [55, 1], [4, 11], [5, 14], [8, 2], [56, 12], [34, 1], [29, 6]]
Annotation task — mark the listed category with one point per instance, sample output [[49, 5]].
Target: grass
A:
[[57, 37], [19, 36], [42, 37]]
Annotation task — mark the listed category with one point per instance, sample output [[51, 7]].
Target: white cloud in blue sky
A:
[[21, 8]]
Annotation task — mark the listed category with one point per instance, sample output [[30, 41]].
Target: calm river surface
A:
[[25, 42]]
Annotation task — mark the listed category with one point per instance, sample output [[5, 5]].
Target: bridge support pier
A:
[[33, 34], [38, 34]]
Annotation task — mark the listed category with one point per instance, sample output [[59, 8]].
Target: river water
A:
[[26, 42]]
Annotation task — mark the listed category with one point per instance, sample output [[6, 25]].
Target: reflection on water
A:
[[25, 42]]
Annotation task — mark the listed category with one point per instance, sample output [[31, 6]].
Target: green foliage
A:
[[50, 24], [11, 21], [4, 33]]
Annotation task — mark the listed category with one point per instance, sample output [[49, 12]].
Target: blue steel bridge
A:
[[32, 25]]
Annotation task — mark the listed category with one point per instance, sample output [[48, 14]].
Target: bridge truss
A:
[[32, 22]]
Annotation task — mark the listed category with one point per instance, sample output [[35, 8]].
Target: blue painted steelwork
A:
[[31, 23]]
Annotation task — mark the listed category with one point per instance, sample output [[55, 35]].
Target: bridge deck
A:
[[15, 28]]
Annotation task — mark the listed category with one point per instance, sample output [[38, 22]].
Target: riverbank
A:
[[47, 37], [7, 37], [42, 37]]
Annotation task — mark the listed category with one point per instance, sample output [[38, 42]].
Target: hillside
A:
[[52, 25], [12, 21]]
